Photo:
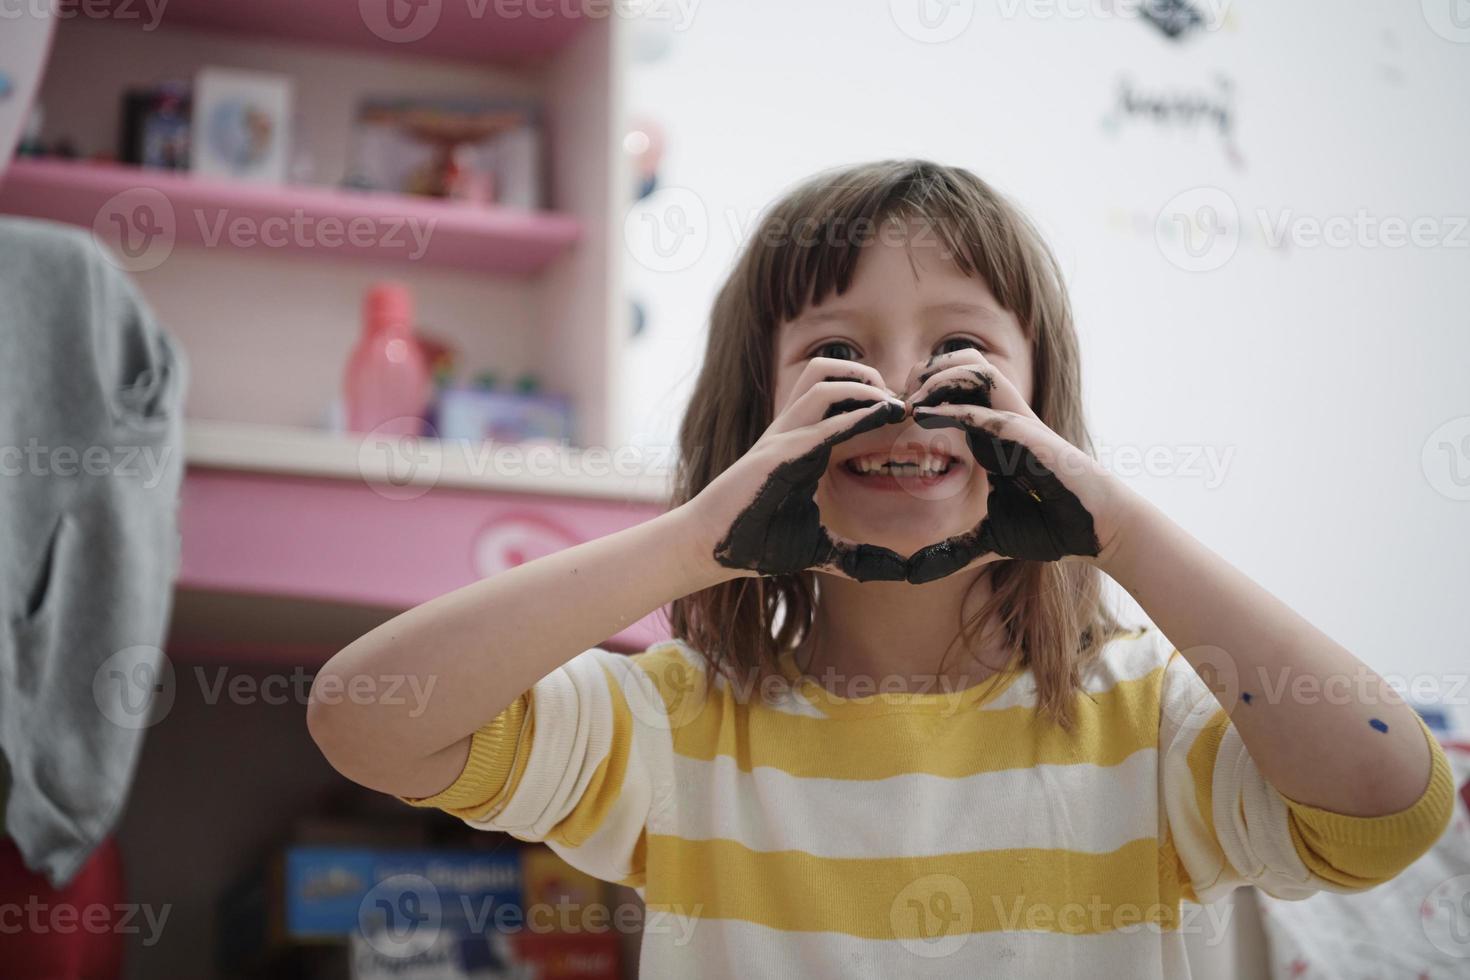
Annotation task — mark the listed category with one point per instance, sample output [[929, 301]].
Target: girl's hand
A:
[[760, 514], [1048, 499]]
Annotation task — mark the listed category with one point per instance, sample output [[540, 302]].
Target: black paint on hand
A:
[[1030, 513], [781, 531], [974, 390]]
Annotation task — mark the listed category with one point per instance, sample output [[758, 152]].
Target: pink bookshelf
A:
[[200, 212], [509, 32]]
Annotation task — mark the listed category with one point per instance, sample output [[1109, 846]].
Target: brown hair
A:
[[806, 247]]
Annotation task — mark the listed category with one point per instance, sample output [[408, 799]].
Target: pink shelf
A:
[[521, 32], [347, 542], [493, 240]]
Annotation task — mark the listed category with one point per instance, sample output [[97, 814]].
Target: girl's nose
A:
[[910, 373]]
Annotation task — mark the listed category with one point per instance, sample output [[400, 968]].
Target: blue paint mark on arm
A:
[[1380, 726]]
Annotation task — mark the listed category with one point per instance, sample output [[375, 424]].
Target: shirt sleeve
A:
[[566, 764], [1229, 827]]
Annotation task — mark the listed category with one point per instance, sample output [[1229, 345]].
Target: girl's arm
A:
[[1324, 729], [473, 651], [470, 654]]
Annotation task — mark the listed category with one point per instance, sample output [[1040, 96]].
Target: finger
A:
[[806, 451], [843, 425], [826, 399], [935, 363], [835, 369], [986, 432], [977, 383], [1031, 513], [862, 562], [951, 555]]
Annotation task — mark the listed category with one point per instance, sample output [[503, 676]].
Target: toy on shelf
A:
[[484, 412]]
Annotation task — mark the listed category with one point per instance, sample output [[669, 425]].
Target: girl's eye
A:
[[958, 343], [839, 349]]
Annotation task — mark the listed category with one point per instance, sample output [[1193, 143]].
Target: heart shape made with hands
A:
[[1030, 513]]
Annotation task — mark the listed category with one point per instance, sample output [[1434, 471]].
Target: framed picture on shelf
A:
[[242, 125]]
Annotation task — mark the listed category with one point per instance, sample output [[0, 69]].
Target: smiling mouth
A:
[[921, 466]]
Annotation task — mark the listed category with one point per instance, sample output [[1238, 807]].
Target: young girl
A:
[[898, 732]]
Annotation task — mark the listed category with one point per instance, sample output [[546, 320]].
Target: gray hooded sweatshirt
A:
[[91, 458]]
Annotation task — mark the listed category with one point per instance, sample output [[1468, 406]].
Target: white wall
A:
[[1316, 374]]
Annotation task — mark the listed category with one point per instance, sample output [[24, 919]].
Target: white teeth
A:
[[926, 465]]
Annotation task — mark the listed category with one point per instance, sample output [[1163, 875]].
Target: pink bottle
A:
[[387, 384]]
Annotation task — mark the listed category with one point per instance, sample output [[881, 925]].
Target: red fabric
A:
[[69, 933]]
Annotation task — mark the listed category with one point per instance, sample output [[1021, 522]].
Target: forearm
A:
[[469, 653], [1323, 728]]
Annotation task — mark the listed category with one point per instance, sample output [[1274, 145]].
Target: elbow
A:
[[354, 738], [329, 721]]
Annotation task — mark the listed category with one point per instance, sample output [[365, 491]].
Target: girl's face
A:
[[907, 302]]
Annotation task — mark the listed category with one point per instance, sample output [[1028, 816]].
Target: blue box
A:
[[331, 892], [476, 415]]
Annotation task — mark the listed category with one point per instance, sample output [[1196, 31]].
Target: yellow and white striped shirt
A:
[[791, 832]]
